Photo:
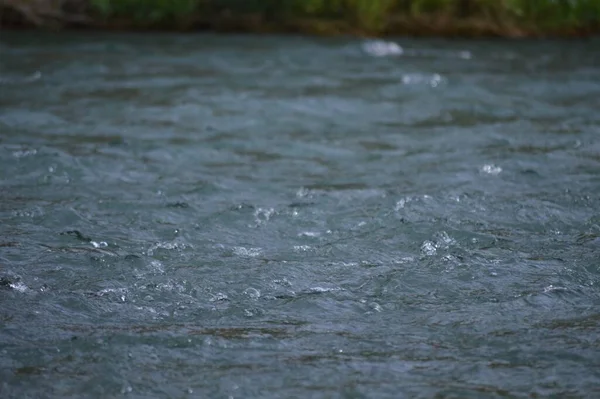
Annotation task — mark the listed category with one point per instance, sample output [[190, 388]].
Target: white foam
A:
[[249, 252], [428, 248], [490, 169], [381, 48]]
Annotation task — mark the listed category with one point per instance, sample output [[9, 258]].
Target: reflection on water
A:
[[207, 216]]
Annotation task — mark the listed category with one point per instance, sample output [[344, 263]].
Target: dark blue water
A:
[[234, 217]]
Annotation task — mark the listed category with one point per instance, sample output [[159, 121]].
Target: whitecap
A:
[[428, 248], [262, 216], [252, 292], [302, 248], [432, 80], [165, 245], [218, 297], [381, 48], [311, 234], [551, 288], [18, 286], [249, 252], [443, 240], [24, 153], [490, 169], [321, 290]]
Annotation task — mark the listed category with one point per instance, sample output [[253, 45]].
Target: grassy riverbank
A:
[[513, 18]]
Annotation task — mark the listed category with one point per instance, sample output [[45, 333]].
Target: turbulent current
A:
[[202, 216]]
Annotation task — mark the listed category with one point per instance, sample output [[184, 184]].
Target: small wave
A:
[[309, 234], [24, 153], [262, 215], [428, 248], [302, 248], [490, 169], [433, 80], [18, 286], [322, 290], [438, 53], [37, 75], [247, 252], [381, 48], [165, 245]]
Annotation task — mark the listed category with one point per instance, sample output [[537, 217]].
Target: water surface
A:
[[235, 217]]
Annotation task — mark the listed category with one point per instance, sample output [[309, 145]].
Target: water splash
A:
[[490, 169], [381, 48], [247, 252]]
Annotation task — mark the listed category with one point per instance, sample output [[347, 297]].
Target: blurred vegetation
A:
[[368, 17]]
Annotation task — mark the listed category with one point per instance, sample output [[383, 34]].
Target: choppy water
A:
[[236, 217]]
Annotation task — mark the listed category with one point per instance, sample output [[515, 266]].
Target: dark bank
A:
[[506, 18]]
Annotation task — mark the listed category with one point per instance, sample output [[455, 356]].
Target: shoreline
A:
[[495, 22]]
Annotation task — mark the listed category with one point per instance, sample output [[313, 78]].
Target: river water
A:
[[213, 216]]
